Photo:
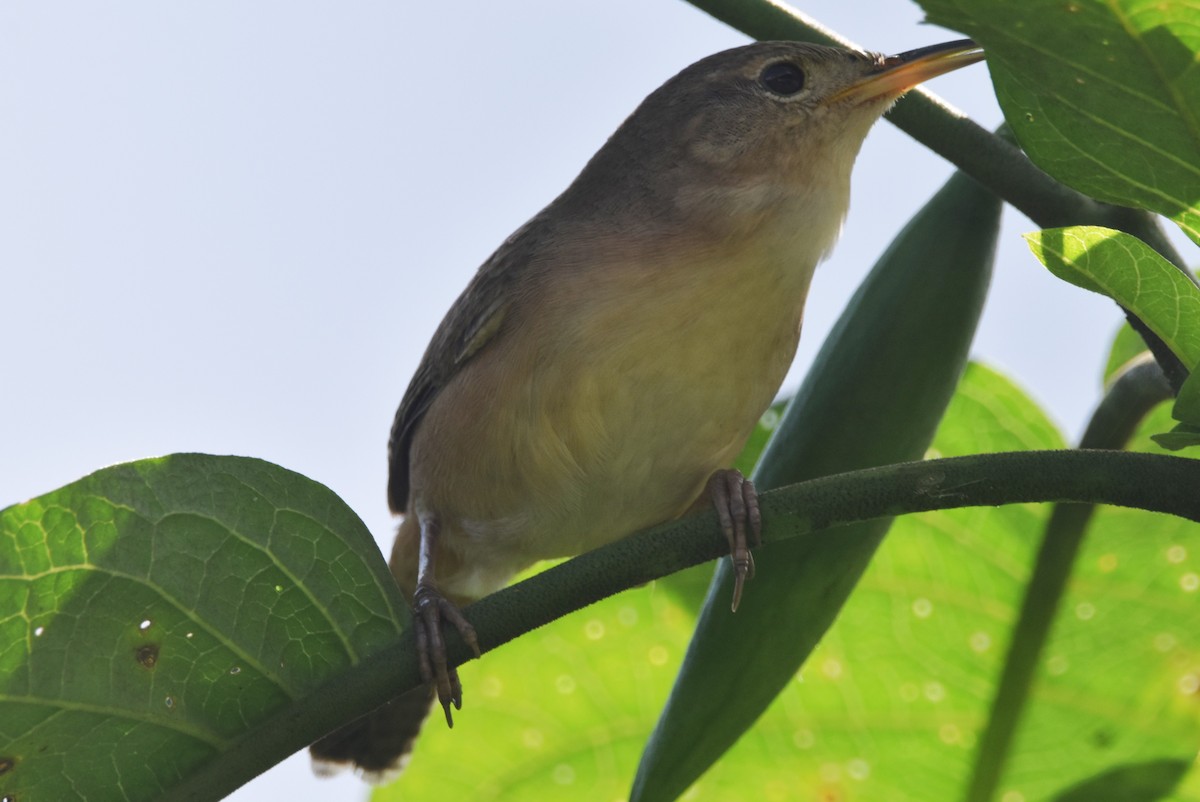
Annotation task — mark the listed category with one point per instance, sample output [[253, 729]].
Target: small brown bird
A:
[[609, 361]]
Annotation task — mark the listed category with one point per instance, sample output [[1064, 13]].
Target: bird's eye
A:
[[782, 78]]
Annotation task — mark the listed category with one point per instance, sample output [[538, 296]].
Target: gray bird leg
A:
[[431, 610]]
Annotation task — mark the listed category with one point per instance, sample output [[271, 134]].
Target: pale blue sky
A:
[[232, 227]]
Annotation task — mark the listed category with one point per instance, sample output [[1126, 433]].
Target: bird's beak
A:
[[895, 75]]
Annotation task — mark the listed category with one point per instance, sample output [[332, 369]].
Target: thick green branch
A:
[[1152, 482]]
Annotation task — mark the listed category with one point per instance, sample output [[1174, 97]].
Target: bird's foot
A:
[[432, 610], [736, 501]]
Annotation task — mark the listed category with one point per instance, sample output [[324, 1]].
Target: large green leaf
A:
[[1121, 671], [152, 614], [1102, 94], [561, 713], [888, 704]]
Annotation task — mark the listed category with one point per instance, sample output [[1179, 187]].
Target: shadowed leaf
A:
[[1139, 782]]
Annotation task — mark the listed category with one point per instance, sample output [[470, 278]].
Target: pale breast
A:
[[616, 394]]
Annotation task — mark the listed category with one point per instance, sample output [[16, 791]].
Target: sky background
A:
[[232, 227]]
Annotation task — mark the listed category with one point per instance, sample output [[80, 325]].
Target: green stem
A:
[[1146, 481], [1132, 396]]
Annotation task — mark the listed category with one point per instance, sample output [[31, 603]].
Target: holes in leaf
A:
[[147, 656]]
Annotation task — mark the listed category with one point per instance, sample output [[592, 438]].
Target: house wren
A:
[[609, 361]]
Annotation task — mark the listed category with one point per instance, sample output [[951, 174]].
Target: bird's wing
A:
[[471, 324]]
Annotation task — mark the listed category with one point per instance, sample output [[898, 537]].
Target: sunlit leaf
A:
[[1120, 675], [1102, 94], [153, 613], [891, 703], [561, 713], [1130, 272], [888, 704]]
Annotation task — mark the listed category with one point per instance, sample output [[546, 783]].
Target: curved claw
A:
[[736, 502], [432, 610]]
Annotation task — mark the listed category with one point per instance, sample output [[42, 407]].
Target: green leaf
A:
[[1187, 404], [1104, 95], [153, 613], [1127, 270], [561, 713], [1133, 395], [888, 705], [1138, 782], [874, 396], [1120, 672], [1130, 272], [1182, 436], [1145, 437], [1127, 346]]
